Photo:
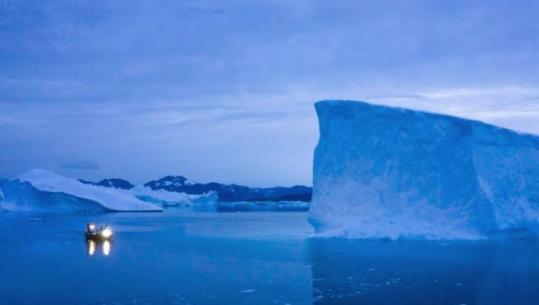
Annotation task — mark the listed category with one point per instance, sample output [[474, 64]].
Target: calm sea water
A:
[[182, 257]]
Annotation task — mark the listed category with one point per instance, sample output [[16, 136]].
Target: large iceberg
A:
[[383, 172], [41, 190]]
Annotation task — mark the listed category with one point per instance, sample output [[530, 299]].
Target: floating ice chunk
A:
[[247, 291], [172, 199]]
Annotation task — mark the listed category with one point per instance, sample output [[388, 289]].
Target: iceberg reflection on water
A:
[[423, 272]]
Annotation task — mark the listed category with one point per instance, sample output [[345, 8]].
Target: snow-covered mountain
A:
[[231, 192], [224, 192], [112, 182], [392, 172]]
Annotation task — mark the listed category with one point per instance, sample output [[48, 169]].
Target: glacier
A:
[[386, 172], [41, 190]]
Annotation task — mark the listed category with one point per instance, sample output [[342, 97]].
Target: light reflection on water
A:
[[92, 246], [106, 247]]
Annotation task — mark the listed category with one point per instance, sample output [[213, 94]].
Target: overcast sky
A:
[[224, 90]]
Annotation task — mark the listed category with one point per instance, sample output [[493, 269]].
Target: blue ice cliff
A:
[[383, 172]]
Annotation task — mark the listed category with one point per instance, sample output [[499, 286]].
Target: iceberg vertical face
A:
[[391, 172]]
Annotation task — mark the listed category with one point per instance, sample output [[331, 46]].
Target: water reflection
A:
[[375, 272], [106, 247], [92, 245]]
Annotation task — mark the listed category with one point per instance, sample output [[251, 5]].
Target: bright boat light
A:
[[106, 233], [92, 226]]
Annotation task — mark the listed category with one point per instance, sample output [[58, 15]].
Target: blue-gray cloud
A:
[[224, 90], [80, 164]]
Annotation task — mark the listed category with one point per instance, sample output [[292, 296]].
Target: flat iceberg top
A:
[[392, 172], [109, 198], [334, 109]]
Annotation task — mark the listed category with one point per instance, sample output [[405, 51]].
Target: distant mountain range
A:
[[226, 192], [113, 182]]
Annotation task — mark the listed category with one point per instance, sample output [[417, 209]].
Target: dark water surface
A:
[[182, 257]]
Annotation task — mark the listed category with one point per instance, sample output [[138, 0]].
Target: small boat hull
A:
[[96, 237]]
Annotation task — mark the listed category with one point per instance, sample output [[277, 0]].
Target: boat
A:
[[101, 234]]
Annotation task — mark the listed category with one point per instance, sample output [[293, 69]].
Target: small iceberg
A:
[[173, 199], [41, 190]]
